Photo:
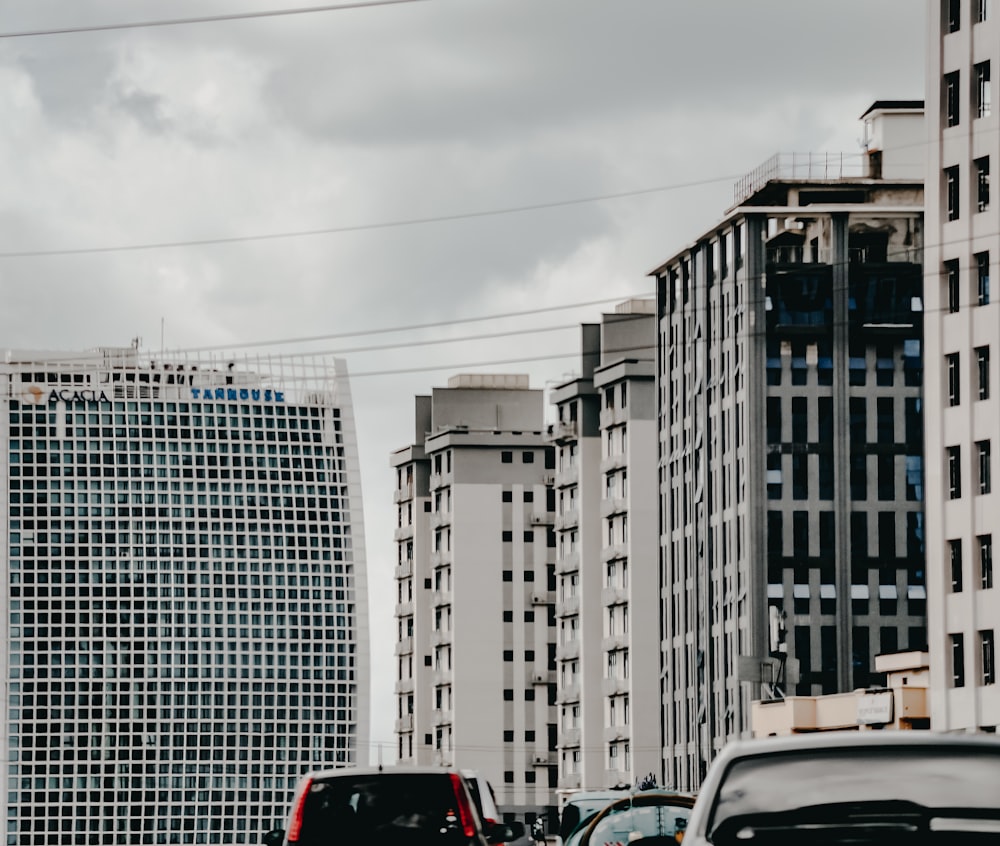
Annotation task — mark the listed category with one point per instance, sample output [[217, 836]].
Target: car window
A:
[[869, 784]]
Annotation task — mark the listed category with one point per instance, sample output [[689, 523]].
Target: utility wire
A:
[[363, 227], [272, 13], [437, 324]]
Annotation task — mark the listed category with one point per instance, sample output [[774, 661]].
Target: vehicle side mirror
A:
[[275, 837], [505, 832]]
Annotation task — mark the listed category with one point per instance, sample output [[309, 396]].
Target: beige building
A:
[[475, 583], [962, 336], [902, 704], [606, 564]]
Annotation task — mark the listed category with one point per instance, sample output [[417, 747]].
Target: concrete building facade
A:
[[183, 581], [475, 582], [962, 339], [790, 473], [606, 565]]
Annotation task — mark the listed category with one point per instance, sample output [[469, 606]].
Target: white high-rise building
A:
[[183, 584], [475, 582], [607, 571], [962, 336]]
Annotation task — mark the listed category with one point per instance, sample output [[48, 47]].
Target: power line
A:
[[363, 227], [437, 324], [272, 13]]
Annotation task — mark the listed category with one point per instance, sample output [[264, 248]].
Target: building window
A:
[[951, 191], [954, 472], [528, 457], [983, 367], [953, 367], [952, 100], [957, 660], [983, 183], [983, 277], [988, 657], [507, 457], [951, 277], [982, 10], [952, 15], [983, 93], [983, 449], [986, 562], [955, 560]]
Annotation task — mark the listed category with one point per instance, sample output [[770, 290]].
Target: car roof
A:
[[853, 739], [391, 769]]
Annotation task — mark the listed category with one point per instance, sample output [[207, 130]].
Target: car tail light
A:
[[464, 808], [295, 821]]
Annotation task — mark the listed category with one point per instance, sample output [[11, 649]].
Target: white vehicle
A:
[[904, 788]]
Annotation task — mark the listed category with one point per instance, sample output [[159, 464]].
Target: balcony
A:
[[569, 563], [404, 570], [569, 781], [404, 609], [404, 646], [567, 476], [613, 462], [564, 431], [404, 723], [542, 759], [611, 643], [569, 737], [569, 693], [403, 494], [568, 651], [616, 778], [613, 417], [614, 596], [568, 607], [613, 734], [403, 533], [569, 519], [615, 687], [541, 518], [614, 551], [542, 597], [542, 677], [613, 505]]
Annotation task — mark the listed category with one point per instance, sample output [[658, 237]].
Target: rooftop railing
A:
[[804, 166]]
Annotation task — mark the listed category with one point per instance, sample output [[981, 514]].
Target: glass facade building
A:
[[184, 592], [791, 449]]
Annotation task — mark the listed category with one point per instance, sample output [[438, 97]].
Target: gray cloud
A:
[[397, 113]]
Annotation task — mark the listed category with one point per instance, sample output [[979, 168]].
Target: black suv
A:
[[409, 806]]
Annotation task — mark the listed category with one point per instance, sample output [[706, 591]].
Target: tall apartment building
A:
[[475, 582], [607, 533], [184, 594], [962, 335], [790, 438]]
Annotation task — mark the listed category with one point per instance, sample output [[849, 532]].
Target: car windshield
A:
[[633, 823], [861, 796]]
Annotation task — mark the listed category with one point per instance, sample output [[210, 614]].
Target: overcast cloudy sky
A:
[[353, 119]]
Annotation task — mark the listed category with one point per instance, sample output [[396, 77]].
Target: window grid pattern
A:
[[182, 623]]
